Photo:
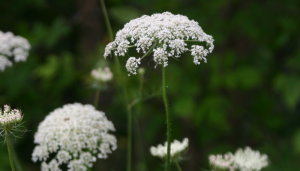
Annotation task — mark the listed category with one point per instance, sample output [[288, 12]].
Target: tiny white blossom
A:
[[219, 162], [199, 53], [166, 34], [177, 148], [102, 75], [12, 46], [160, 56], [54, 166], [249, 160], [132, 64], [77, 134]]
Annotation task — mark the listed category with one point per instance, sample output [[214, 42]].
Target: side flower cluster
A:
[[243, 160], [177, 149], [221, 163], [9, 118], [76, 134], [12, 46], [166, 34], [102, 75]]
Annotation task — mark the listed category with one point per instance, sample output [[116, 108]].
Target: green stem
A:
[[9, 152], [178, 166], [97, 98], [129, 117], [107, 20], [148, 51], [168, 117]]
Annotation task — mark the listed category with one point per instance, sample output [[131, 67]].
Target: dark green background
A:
[[248, 94]]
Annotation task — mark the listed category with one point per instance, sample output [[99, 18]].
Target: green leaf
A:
[[124, 14], [289, 87], [296, 141]]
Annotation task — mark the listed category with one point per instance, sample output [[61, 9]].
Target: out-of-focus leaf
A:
[[184, 106], [249, 77], [296, 141], [213, 109], [289, 87], [124, 14], [48, 70]]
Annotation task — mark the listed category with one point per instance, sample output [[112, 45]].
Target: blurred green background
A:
[[248, 94]]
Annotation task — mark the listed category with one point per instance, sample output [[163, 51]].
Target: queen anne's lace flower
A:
[[102, 75], [220, 163], [9, 119], [10, 46], [177, 148], [164, 33], [249, 160], [76, 133]]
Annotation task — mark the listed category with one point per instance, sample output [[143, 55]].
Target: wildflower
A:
[[76, 134], [249, 160], [9, 119], [102, 75], [166, 34], [10, 46], [177, 149], [221, 163]]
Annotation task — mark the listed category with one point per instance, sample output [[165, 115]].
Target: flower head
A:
[[221, 163], [166, 34], [76, 133], [12, 46], [177, 149], [102, 75], [9, 119], [249, 160]]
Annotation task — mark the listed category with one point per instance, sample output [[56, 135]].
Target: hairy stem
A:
[[97, 98], [123, 85], [178, 166], [168, 117], [9, 152]]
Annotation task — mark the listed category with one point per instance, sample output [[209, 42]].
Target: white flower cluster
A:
[[75, 133], [249, 160], [218, 162], [165, 33], [102, 75], [9, 117], [132, 64], [177, 148], [10, 46], [243, 160]]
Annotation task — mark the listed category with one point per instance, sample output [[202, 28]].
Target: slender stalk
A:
[[9, 152], [168, 117], [97, 98], [123, 85], [178, 166], [107, 20]]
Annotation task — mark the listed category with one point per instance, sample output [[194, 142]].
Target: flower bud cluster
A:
[[102, 75], [9, 117], [220, 163], [10, 46], [177, 149], [165, 33], [74, 135]]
